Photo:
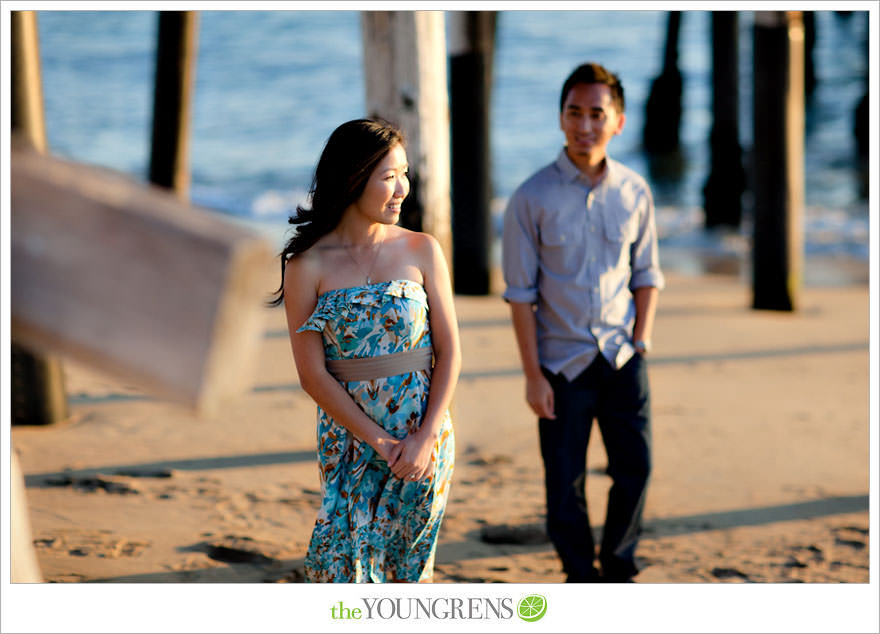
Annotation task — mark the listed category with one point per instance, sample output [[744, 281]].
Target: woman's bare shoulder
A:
[[303, 271], [317, 255], [418, 242]]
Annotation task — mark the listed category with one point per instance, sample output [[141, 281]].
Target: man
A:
[[582, 273]]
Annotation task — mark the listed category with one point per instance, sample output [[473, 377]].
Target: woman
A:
[[358, 292]]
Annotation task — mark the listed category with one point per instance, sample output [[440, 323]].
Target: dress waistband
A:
[[381, 366]]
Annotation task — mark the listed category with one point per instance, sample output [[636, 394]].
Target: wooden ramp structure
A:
[[131, 281]]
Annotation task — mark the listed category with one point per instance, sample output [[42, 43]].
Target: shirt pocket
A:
[[621, 227], [562, 246]]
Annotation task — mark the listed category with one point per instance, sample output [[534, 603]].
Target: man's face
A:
[[589, 120]]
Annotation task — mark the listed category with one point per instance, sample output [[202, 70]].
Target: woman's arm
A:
[[300, 298], [415, 456]]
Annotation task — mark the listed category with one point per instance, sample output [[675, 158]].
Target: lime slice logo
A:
[[532, 607]]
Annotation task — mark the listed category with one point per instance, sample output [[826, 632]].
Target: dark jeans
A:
[[620, 401]]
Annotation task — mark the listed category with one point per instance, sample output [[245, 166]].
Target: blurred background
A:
[[271, 86]]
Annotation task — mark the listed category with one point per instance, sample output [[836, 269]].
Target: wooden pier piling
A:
[[663, 108], [175, 78], [778, 159], [405, 75], [722, 194], [471, 48], [37, 393]]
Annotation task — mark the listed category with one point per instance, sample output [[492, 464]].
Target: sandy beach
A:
[[761, 441]]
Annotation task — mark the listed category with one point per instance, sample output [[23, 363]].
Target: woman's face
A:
[[386, 188]]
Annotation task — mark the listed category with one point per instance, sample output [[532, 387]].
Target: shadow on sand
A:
[[655, 360], [254, 567], [164, 468]]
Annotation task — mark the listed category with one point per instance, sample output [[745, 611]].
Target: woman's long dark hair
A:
[[350, 155]]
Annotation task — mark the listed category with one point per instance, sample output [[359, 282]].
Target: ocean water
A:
[[272, 85]]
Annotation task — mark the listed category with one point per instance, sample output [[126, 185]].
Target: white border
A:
[[300, 607]]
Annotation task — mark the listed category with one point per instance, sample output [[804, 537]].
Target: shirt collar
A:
[[571, 172]]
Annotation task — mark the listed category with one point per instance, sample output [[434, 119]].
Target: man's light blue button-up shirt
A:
[[578, 253]]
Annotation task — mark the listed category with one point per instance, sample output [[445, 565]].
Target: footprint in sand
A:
[[233, 549]]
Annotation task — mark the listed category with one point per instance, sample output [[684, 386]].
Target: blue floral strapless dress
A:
[[372, 526]]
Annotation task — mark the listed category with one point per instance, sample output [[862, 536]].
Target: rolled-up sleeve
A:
[[645, 256], [519, 252]]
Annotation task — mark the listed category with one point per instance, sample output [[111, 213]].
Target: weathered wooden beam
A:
[[778, 159], [37, 394], [174, 84], [471, 49], [133, 282], [405, 75]]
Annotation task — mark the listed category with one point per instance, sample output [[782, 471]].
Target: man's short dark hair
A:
[[592, 73]]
